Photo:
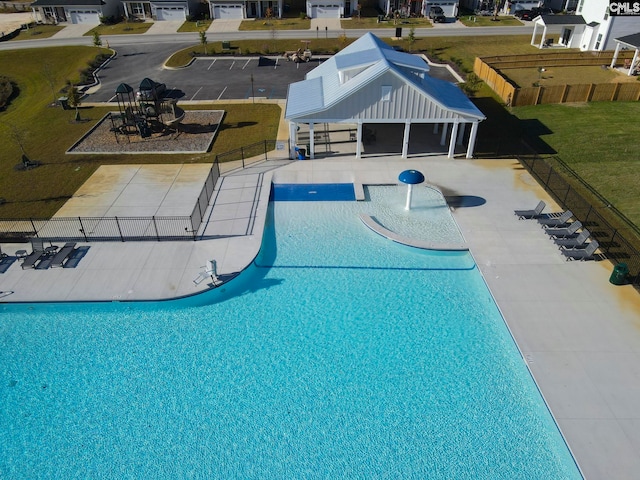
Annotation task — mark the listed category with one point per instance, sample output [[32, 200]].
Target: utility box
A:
[[619, 274], [398, 32]]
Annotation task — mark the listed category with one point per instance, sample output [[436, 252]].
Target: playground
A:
[[146, 122]]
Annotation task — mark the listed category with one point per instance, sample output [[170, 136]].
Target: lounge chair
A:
[[62, 255], [528, 214], [557, 221], [586, 253], [210, 271], [574, 242], [37, 252], [564, 231]]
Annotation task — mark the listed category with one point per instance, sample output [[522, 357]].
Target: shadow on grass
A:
[[501, 135]]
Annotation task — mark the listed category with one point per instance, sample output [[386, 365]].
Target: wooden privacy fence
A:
[[591, 92]]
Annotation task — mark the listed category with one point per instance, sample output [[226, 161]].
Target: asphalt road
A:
[[217, 78]]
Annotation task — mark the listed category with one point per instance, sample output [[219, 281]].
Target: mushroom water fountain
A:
[[411, 178]]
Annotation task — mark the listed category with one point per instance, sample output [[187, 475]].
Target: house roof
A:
[[631, 40], [359, 64], [67, 3], [562, 19]]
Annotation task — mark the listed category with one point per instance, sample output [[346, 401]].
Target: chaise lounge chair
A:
[[62, 255], [574, 242], [564, 231], [528, 214], [586, 253], [37, 252], [557, 221]]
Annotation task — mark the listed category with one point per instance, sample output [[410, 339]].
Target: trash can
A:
[[619, 274], [398, 32], [302, 154]]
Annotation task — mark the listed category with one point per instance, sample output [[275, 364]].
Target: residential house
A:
[[75, 11]]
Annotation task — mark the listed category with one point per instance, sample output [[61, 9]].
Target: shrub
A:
[[6, 91]]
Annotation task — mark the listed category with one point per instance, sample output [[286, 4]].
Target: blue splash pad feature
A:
[[411, 177], [337, 354], [313, 192]]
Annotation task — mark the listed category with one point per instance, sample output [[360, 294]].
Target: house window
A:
[[597, 47], [386, 93], [606, 14], [137, 9], [580, 6]]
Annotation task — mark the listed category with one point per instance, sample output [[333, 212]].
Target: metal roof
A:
[[631, 40], [563, 19], [359, 64]]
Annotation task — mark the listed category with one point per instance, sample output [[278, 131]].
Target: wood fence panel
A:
[[628, 92], [603, 92], [551, 94], [577, 93], [525, 96]]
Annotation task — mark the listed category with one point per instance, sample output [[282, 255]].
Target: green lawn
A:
[[195, 26], [122, 28], [276, 24], [600, 141], [527, 77], [37, 32], [482, 21], [47, 132], [369, 23]]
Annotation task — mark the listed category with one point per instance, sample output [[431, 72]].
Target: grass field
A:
[[37, 32], [195, 26], [484, 21], [527, 77], [368, 23], [276, 24], [122, 28]]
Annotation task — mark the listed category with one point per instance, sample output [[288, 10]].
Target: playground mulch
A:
[[194, 135]]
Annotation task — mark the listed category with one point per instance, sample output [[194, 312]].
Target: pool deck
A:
[[579, 335]]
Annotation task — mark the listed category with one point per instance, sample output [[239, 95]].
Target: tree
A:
[[49, 74], [97, 41], [203, 40], [74, 98], [411, 38]]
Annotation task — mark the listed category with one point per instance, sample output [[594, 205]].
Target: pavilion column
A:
[[359, 140], [312, 141], [405, 139], [293, 126], [472, 139], [443, 137], [452, 140], [544, 35], [615, 56], [533, 34], [633, 62], [461, 134]]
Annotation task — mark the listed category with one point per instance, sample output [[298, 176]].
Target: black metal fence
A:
[[617, 235], [86, 229]]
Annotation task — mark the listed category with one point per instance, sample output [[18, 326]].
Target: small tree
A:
[[472, 85], [203, 40], [97, 41], [49, 74], [74, 98], [411, 38], [268, 14]]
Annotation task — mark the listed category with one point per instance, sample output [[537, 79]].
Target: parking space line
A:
[[276, 64], [194, 95], [232, 64], [112, 98], [221, 93], [245, 65], [214, 61]]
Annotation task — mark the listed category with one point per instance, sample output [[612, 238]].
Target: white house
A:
[[331, 8], [160, 10], [592, 28], [369, 83], [236, 10], [75, 11]]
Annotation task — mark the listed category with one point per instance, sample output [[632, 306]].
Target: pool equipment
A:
[[411, 178]]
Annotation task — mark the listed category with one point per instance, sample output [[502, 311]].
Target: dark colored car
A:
[[523, 14], [437, 15]]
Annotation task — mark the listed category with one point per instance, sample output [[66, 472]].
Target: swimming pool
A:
[[336, 354]]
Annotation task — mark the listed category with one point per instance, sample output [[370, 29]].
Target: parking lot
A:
[[215, 78]]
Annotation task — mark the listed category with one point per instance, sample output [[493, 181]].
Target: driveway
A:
[[164, 27], [75, 30]]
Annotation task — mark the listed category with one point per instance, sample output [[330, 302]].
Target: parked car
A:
[[437, 15], [150, 90], [541, 11]]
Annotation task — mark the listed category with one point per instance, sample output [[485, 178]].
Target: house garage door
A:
[[326, 11], [171, 13], [232, 11], [85, 16]]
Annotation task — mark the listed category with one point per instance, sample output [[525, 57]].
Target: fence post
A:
[[155, 227], [242, 155], [84, 234], [119, 230], [265, 150]]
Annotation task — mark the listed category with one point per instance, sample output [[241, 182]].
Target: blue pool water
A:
[[337, 354]]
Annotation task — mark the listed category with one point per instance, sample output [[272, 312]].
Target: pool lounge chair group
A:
[[50, 256], [569, 236]]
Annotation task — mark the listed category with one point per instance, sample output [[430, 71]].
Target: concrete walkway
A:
[[75, 30], [224, 26]]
